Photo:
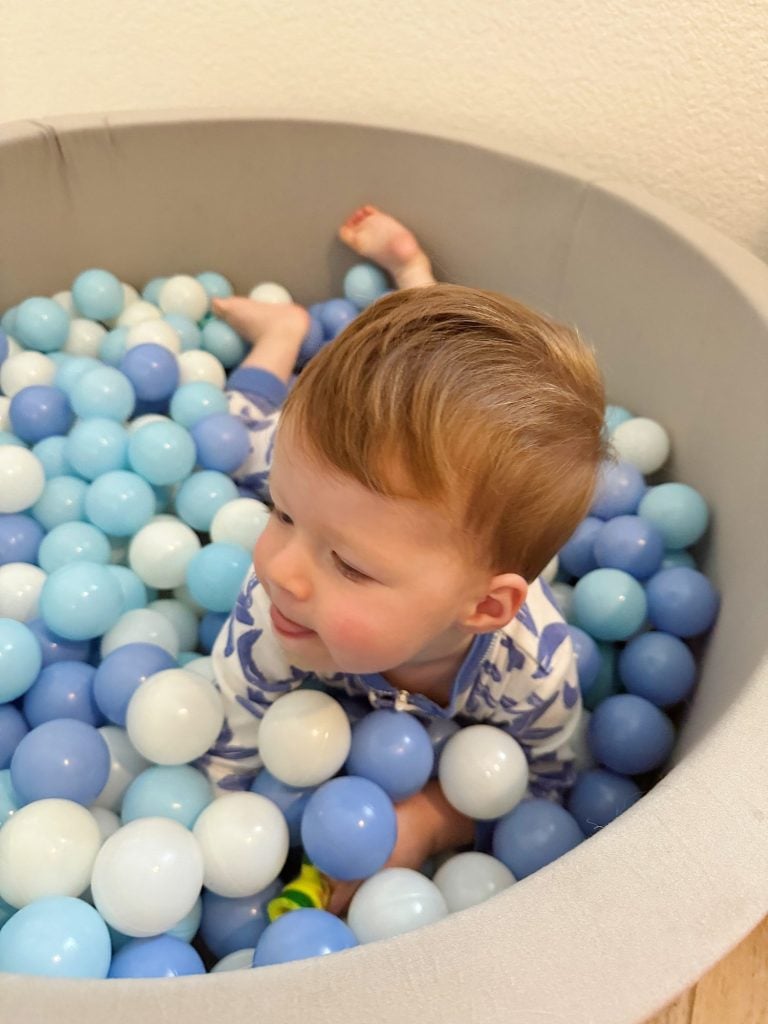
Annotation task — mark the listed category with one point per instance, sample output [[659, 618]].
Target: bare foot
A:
[[381, 238], [275, 331]]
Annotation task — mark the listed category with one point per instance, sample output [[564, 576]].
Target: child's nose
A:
[[287, 570]]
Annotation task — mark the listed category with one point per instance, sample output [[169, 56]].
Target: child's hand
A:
[[426, 824]]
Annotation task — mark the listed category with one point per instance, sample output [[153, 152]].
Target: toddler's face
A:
[[358, 582]]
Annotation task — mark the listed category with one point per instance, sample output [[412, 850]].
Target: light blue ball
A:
[[615, 415], [120, 503], [135, 592], [607, 682], [10, 802], [62, 501], [216, 285], [186, 329], [151, 290], [112, 348], [73, 542], [630, 735], [672, 559], [392, 749], [302, 934], [20, 659], [98, 295], [215, 575], [97, 446], [222, 341], [196, 400], [609, 604], [364, 283], [81, 600], [534, 833], [8, 320], [71, 369], [57, 937], [103, 392], [41, 324], [6, 437], [162, 452], [51, 453], [201, 496], [678, 511], [13, 726], [179, 792]]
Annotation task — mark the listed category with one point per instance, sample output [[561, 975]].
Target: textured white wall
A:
[[671, 96]]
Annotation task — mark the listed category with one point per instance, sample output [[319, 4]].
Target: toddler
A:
[[422, 471]]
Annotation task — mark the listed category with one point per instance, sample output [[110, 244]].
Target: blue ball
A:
[[178, 791], [13, 727], [209, 628], [120, 503], [194, 401], [20, 537], [365, 283], [202, 495], [161, 956], [63, 759], [222, 442], [577, 556], [162, 452], [598, 796], [57, 648], [41, 324], [40, 411], [290, 799], [81, 600], [223, 342], [153, 371], [122, 672], [631, 544], [349, 828], [217, 286], [588, 661], [607, 681], [659, 667], [230, 923], [51, 452], [609, 604], [62, 501], [20, 659], [534, 833], [57, 937], [98, 295], [313, 341], [335, 315], [73, 542], [620, 488], [392, 749], [678, 511], [302, 934], [62, 690], [682, 601], [630, 735], [215, 575], [103, 392]]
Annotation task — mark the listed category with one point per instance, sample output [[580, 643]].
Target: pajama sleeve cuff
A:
[[258, 385]]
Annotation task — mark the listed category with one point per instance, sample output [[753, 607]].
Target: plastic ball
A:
[[483, 771], [304, 738], [20, 659], [349, 827], [270, 291], [107, 821], [160, 956], [136, 313], [73, 542], [57, 648], [533, 834], [223, 342], [682, 601], [607, 681], [71, 368], [467, 879], [147, 876], [98, 294], [240, 522], [222, 442], [196, 400], [201, 367], [393, 902], [41, 324], [291, 800], [181, 617], [302, 934], [13, 726], [620, 488], [174, 716], [141, 626], [122, 672], [20, 587], [125, 763], [187, 330], [152, 369], [629, 543], [161, 335], [244, 842], [85, 338], [599, 796], [51, 452], [364, 283], [60, 758], [216, 285], [312, 342], [62, 690], [62, 501], [151, 290], [103, 392], [577, 555], [335, 315], [678, 511], [630, 735], [238, 960], [135, 594], [163, 453], [80, 600], [562, 598], [587, 655], [161, 551], [202, 495], [659, 667], [230, 924], [58, 937], [185, 295], [10, 802], [609, 604], [119, 502], [180, 792], [38, 411], [22, 479], [614, 415], [392, 749], [215, 574], [210, 626], [47, 849], [96, 446], [642, 442], [25, 370]]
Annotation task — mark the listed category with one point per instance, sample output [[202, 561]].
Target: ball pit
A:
[[619, 246]]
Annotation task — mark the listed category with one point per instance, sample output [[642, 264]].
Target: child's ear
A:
[[499, 605]]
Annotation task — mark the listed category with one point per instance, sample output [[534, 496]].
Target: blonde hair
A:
[[466, 399]]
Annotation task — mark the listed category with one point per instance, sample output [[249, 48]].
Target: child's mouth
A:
[[287, 627]]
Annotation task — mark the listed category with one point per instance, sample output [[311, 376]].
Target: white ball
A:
[[563, 595], [174, 716], [470, 878], [147, 876], [184, 595], [185, 295], [47, 848], [269, 291], [161, 551], [141, 421], [22, 478], [483, 771], [643, 442], [64, 299], [85, 338], [244, 840], [237, 961], [304, 738], [181, 617], [154, 332], [125, 764], [240, 521], [394, 901], [198, 365], [5, 413], [24, 370], [20, 586], [202, 667], [137, 312], [141, 626], [549, 571], [107, 821]]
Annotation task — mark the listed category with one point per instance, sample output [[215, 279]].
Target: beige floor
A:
[[735, 991]]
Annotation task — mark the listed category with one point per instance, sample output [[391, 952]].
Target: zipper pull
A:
[[402, 701]]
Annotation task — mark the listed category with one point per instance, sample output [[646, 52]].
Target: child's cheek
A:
[[353, 633]]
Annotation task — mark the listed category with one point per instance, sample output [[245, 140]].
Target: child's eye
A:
[[282, 517], [349, 571]]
